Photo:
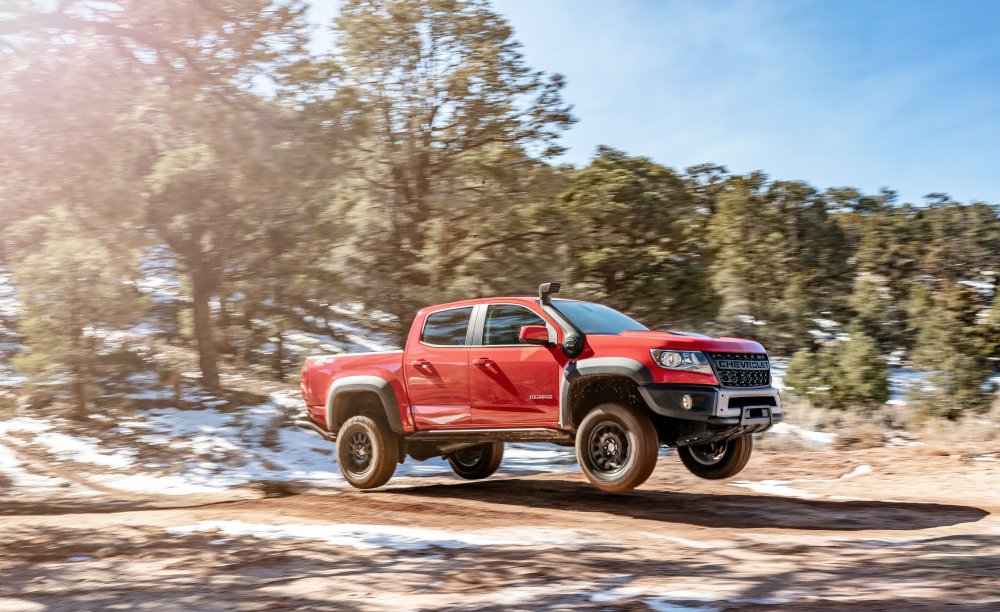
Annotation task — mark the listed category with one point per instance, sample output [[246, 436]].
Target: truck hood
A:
[[692, 342]]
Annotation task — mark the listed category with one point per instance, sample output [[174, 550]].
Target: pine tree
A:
[[862, 375], [875, 312], [811, 376], [778, 260], [151, 121], [642, 232], [72, 290], [954, 356], [992, 342], [448, 114]]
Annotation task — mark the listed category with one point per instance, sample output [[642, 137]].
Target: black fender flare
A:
[[596, 366], [342, 388]]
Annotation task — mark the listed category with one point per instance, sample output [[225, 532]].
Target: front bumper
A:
[[751, 409]]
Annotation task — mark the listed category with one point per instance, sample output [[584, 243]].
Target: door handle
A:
[[482, 361], [421, 364]]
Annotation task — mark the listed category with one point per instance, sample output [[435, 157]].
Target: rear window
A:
[[447, 327]]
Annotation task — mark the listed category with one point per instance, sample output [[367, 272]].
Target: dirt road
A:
[[874, 530]]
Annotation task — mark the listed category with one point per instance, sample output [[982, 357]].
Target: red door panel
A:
[[437, 377], [514, 386]]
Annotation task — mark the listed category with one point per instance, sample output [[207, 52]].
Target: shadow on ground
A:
[[706, 510]]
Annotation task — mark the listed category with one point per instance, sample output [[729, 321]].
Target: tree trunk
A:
[[80, 378], [224, 321], [208, 357], [279, 357]]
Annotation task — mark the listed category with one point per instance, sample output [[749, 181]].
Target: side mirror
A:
[[534, 334]]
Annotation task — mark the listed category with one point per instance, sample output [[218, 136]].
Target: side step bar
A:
[[531, 434], [304, 424], [459, 436]]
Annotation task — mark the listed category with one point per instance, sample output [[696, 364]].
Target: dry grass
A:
[[973, 434]]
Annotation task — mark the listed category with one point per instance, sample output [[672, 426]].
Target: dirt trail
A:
[[875, 530]]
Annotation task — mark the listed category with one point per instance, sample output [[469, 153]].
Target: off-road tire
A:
[[732, 459], [477, 462], [367, 452], [616, 447]]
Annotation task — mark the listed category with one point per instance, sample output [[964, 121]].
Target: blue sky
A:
[[894, 93]]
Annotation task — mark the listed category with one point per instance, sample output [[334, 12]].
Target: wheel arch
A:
[[590, 382], [362, 395]]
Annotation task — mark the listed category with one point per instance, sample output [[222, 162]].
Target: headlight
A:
[[687, 361]]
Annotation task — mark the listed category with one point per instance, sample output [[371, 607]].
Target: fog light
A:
[[687, 402]]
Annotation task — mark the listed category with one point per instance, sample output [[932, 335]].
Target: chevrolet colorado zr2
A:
[[478, 373]]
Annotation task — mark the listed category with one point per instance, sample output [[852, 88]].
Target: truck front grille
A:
[[741, 369]]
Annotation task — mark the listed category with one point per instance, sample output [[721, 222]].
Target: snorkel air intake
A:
[[573, 342]]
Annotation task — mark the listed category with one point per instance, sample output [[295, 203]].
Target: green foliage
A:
[[862, 374], [778, 259], [811, 375], [72, 291], [411, 165], [847, 374], [954, 353], [876, 313], [450, 124], [639, 235]]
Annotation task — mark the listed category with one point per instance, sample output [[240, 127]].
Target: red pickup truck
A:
[[478, 373]]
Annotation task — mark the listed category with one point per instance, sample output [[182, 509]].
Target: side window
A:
[[447, 327], [504, 323]]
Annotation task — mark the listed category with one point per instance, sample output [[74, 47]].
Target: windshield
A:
[[596, 319]]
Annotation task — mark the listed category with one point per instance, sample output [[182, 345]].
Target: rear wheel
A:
[[367, 452], [719, 459], [616, 447], [477, 462]]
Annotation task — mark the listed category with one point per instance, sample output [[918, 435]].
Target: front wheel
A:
[[616, 447], [367, 452], [719, 459], [477, 462]]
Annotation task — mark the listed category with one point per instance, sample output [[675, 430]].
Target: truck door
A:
[[436, 368], [512, 384]]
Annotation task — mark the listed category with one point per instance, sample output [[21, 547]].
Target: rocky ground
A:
[[879, 529]]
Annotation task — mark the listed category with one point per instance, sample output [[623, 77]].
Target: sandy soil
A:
[[880, 529]]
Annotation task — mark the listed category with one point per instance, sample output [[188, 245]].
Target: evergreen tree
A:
[[778, 260], [811, 376], [448, 112], [158, 127], [992, 330], [875, 312], [862, 375], [742, 276], [954, 356], [642, 235], [72, 291]]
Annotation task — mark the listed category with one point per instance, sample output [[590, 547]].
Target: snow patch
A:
[[85, 450], [818, 438], [388, 536], [984, 288], [193, 481], [23, 424], [860, 470], [23, 480], [780, 488], [223, 450], [661, 603], [8, 297]]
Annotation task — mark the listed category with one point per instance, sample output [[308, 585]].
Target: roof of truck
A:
[[492, 300]]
